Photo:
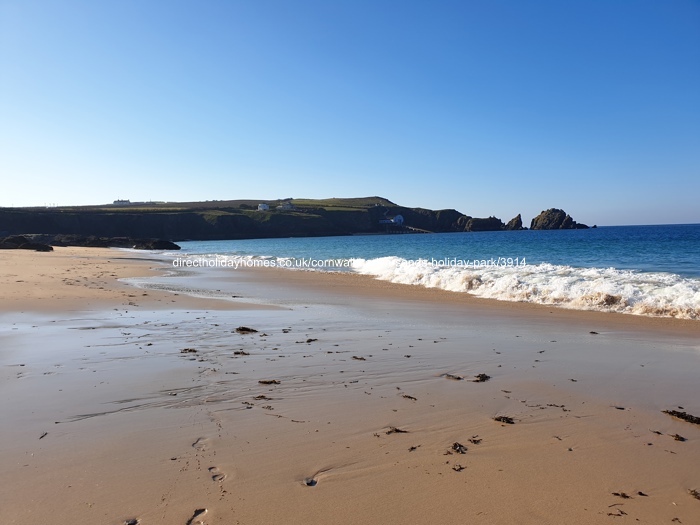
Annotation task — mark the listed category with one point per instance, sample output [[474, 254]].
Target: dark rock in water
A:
[[481, 378], [555, 219], [516, 223], [490, 224], [246, 330]]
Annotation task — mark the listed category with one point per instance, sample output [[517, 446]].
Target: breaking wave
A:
[[602, 289]]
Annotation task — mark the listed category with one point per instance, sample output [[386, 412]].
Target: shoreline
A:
[[76, 279], [643, 291], [369, 287], [151, 407]]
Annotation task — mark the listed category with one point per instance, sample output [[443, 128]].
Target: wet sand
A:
[[121, 407]]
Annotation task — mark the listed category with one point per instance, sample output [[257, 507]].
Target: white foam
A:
[[604, 289]]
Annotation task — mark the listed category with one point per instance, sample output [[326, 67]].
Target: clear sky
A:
[[491, 107]]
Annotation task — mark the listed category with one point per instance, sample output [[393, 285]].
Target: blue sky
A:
[[492, 108]]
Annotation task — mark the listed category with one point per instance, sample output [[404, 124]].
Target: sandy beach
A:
[[133, 393]]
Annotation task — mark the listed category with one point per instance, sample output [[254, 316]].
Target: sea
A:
[[642, 270]]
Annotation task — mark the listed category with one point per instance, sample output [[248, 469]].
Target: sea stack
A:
[[555, 219]]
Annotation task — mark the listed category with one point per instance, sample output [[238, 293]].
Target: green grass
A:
[[351, 203], [339, 204]]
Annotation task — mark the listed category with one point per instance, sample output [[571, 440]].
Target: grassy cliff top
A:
[[333, 203]]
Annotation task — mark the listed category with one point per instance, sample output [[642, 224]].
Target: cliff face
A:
[[423, 219], [174, 226], [219, 220], [216, 224], [554, 219]]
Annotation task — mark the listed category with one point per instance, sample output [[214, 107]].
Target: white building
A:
[[263, 207], [398, 220]]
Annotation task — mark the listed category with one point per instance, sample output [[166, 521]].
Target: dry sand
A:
[[107, 420]]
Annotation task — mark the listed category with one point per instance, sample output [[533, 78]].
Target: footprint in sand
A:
[[201, 444], [216, 474], [194, 519]]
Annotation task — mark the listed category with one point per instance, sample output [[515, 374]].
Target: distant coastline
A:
[[247, 219]]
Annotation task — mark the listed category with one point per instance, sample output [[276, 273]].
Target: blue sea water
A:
[[646, 270]]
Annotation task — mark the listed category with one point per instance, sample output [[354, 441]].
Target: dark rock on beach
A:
[[20, 242], [15, 240], [36, 246], [459, 448], [157, 244], [44, 242], [684, 416], [555, 219]]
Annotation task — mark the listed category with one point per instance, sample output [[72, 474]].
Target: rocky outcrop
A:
[[15, 240], [554, 219], [155, 245], [490, 224], [44, 242], [109, 226], [36, 246], [516, 223], [20, 242]]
